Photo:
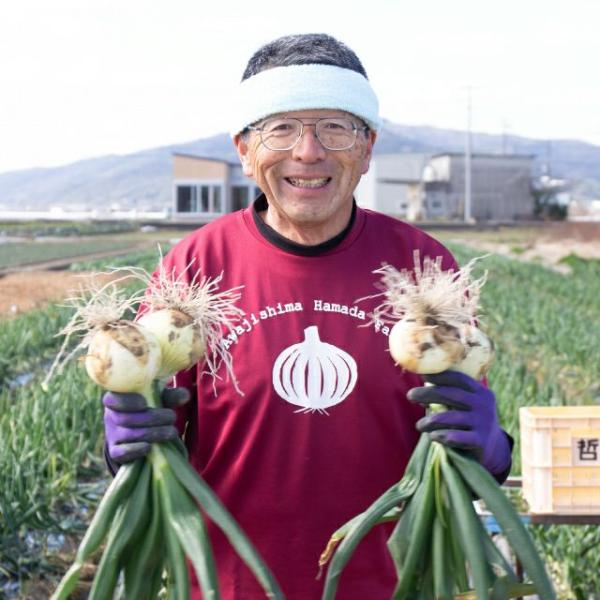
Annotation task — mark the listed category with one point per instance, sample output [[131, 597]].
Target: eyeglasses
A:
[[283, 133]]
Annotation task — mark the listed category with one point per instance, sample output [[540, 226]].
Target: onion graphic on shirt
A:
[[313, 374]]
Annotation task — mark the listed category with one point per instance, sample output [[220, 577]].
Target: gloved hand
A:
[[471, 423], [131, 427]]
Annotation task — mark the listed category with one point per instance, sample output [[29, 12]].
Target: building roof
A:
[[484, 155], [234, 163]]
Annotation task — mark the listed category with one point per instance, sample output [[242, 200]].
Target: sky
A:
[[85, 78]]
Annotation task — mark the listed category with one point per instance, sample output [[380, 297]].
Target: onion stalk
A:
[[439, 546], [149, 519]]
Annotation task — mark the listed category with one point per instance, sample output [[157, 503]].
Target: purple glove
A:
[[470, 424], [131, 427]]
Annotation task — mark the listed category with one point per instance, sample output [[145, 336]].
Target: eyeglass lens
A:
[[284, 133]]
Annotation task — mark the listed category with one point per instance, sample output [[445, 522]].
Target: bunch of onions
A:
[[149, 519], [439, 546]]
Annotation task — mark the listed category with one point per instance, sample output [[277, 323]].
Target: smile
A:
[[311, 183]]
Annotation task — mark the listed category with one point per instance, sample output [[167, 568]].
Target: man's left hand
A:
[[471, 421]]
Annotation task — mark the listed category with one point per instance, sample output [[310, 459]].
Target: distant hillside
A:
[[142, 180]]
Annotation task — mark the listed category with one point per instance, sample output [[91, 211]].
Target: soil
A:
[[541, 251], [23, 291]]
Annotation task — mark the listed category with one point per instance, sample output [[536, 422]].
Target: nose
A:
[[309, 148]]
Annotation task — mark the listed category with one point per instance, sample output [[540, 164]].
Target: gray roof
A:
[[485, 155]]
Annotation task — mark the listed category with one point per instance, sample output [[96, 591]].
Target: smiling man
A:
[[308, 164], [325, 423]]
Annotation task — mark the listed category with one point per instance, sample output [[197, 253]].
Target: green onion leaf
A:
[[486, 487], [214, 508]]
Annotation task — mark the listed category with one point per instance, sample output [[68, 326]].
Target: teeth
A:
[[308, 183]]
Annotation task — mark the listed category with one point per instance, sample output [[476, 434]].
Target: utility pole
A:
[[504, 136], [467, 215]]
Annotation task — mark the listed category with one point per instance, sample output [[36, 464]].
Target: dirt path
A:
[[545, 252], [34, 286], [24, 291]]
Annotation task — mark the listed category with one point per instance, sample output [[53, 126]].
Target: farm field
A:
[[543, 314], [24, 245], [25, 253]]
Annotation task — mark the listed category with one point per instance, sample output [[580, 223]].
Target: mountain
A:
[[142, 180]]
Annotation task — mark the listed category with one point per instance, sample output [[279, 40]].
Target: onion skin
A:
[[181, 343], [479, 355], [123, 358], [426, 346]]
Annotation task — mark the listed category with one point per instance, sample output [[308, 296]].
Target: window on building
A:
[[204, 198], [239, 197], [186, 198], [199, 198], [216, 203]]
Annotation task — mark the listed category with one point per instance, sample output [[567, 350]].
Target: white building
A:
[[419, 187], [501, 187], [394, 185]]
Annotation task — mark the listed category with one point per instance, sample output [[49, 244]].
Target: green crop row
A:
[[65, 228], [28, 341], [546, 326], [146, 259], [49, 446], [24, 253]]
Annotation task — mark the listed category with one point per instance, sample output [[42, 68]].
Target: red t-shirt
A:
[[324, 426]]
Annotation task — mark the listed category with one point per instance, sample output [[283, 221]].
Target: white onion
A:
[[180, 340], [123, 358], [422, 348], [427, 349], [436, 308], [479, 354]]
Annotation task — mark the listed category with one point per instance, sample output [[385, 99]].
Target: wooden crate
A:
[[560, 457]]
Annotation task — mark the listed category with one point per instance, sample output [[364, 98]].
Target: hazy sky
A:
[[82, 78]]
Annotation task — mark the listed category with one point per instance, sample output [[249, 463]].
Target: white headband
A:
[[304, 87]]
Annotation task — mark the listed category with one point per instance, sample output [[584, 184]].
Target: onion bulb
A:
[[182, 323], [120, 355], [188, 315], [479, 354], [434, 314], [424, 348], [181, 342], [123, 357]]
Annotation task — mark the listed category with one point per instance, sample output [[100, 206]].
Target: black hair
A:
[[303, 49]]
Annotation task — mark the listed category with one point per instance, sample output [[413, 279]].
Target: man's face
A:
[[308, 186]]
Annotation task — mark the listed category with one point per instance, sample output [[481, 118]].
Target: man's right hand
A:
[[131, 427]]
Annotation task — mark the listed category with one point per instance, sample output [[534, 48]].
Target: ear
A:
[[243, 150], [372, 136]]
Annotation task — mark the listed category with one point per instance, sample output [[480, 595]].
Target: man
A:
[[324, 424]]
